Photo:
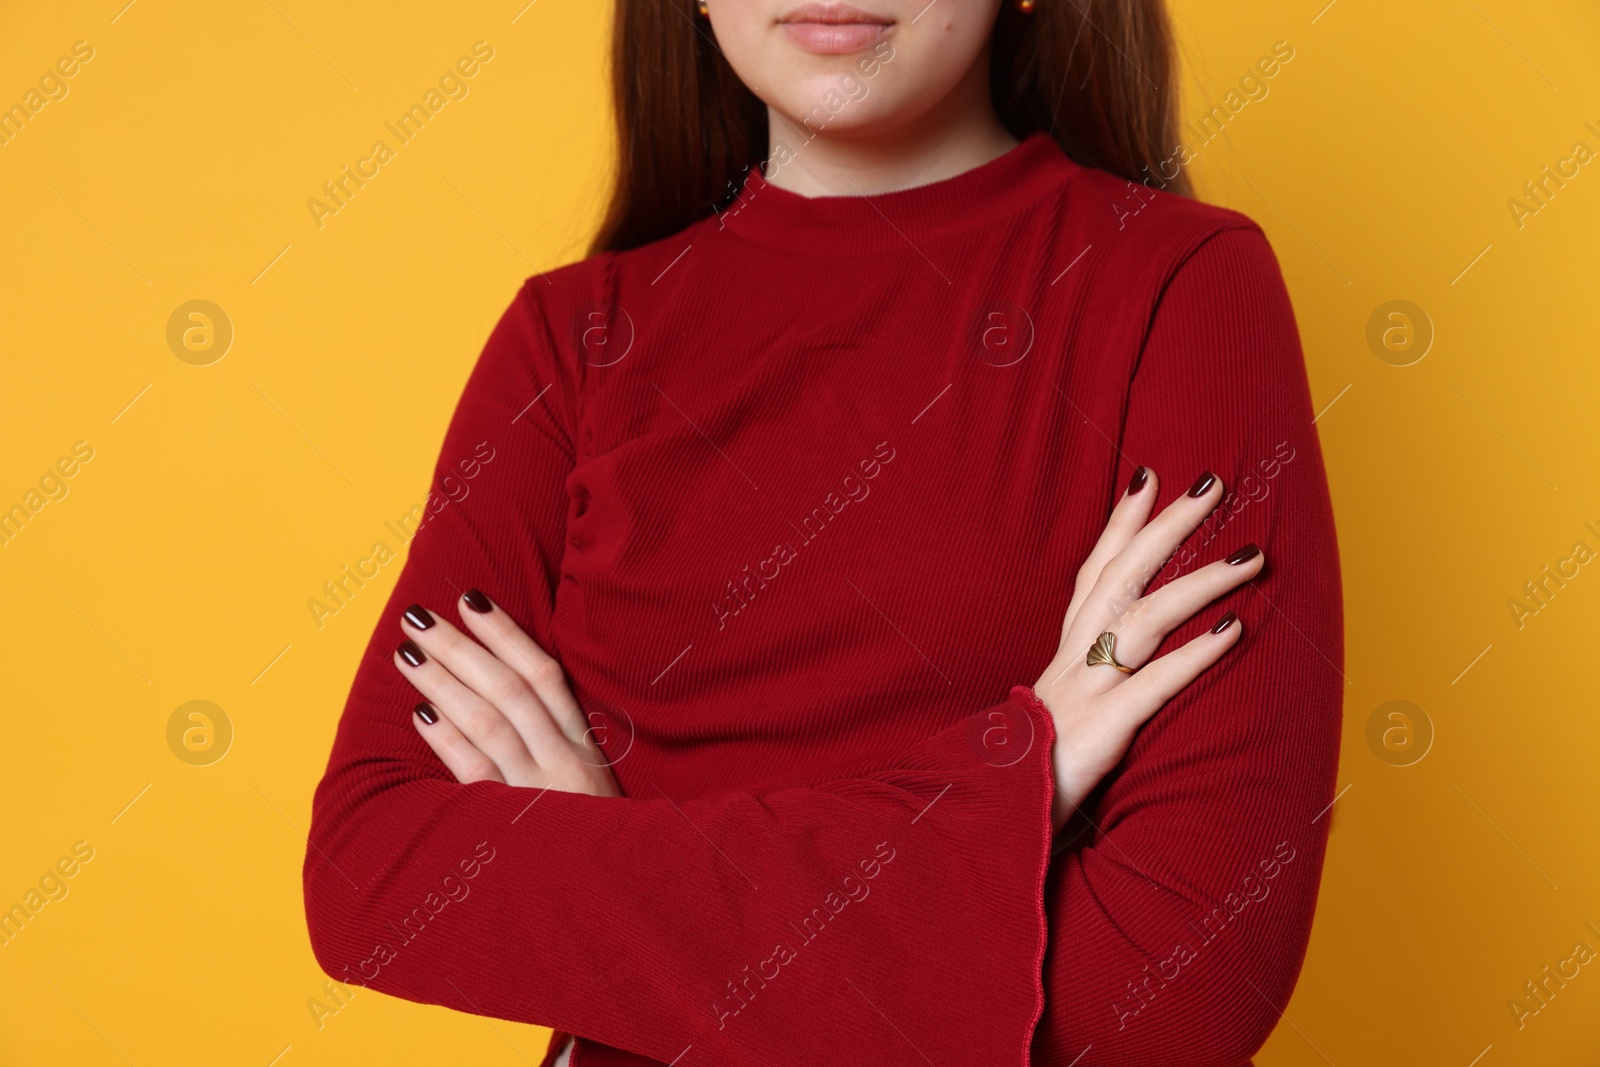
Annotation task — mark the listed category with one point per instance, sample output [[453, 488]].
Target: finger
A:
[[1124, 578], [502, 636], [482, 672], [1147, 623], [479, 721], [1127, 519], [1159, 681], [459, 756]]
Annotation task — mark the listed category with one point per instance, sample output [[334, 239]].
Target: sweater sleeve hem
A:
[[972, 807], [1030, 699]]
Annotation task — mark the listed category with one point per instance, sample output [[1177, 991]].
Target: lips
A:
[[833, 29]]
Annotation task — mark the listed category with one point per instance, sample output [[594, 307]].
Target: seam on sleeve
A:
[[1241, 224], [546, 363], [1172, 272]]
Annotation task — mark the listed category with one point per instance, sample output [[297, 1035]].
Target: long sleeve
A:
[[1179, 920], [896, 914]]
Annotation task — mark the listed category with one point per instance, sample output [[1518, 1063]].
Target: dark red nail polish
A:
[[1141, 475], [1244, 555], [418, 616], [411, 653], [477, 601], [426, 713], [1202, 484], [1224, 622]]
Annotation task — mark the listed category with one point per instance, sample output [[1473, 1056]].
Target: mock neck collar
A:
[[769, 215]]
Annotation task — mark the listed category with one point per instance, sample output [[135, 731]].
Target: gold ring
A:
[[1104, 650]]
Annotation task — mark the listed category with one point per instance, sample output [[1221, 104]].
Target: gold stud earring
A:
[[700, 6], [1025, 6]]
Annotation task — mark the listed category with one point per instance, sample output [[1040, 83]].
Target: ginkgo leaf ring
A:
[[1104, 650]]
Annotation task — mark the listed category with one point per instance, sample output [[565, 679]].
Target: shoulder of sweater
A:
[[578, 313], [592, 283], [1148, 228]]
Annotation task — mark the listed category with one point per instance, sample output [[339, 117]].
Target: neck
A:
[[962, 132]]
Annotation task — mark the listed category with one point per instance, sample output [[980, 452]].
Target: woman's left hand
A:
[[499, 711]]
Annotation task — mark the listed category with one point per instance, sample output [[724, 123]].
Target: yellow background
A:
[[178, 566]]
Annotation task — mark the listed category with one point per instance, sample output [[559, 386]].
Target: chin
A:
[[853, 121]]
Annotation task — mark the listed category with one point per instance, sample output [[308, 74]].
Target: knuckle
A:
[[475, 722], [541, 659], [504, 689], [463, 757], [1169, 610], [1176, 522], [500, 734], [566, 763], [547, 672], [1131, 571], [1138, 612], [478, 769], [445, 641], [1117, 593], [1182, 597]]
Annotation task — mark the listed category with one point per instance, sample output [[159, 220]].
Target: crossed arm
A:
[[634, 901]]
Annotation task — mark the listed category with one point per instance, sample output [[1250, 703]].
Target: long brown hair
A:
[[1099, 75]]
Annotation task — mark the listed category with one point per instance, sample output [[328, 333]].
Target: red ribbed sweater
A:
[[797, 497]]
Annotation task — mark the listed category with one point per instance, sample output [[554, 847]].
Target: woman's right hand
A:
[[1097, 709]]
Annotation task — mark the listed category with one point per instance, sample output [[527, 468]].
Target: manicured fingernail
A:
[[477, 601], [1201, 484], [1244, 555], [426, 713], [1223, 623], [411, 653], [418, 616], [1141, 475]]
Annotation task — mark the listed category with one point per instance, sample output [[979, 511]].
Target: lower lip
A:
[[834, 38]]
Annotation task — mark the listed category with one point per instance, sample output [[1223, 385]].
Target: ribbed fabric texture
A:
[[797, 497]]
